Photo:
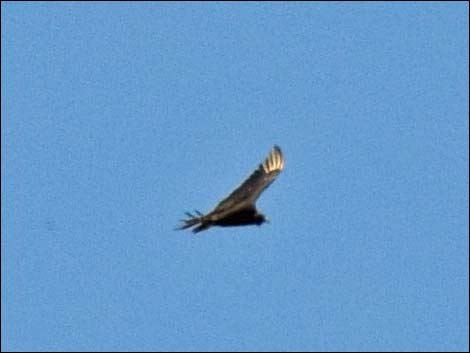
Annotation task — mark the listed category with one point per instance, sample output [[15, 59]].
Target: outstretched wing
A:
[[247, 193]]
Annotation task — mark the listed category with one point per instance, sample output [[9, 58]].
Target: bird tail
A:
[[199, 220]]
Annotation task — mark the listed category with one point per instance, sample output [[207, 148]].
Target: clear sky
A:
[[118, 117]]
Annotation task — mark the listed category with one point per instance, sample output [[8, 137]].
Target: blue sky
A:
[[118, 117]]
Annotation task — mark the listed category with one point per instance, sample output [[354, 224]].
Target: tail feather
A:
[[202, 226], [198, 221]]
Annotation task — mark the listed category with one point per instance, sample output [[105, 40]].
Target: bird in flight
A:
[[239, 209]]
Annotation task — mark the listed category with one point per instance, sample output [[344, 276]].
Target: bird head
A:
[[260, 219]]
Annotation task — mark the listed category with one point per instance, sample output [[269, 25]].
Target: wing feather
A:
[[249, 191]]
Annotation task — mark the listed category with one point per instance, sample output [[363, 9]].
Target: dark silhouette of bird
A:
[[239, 209]]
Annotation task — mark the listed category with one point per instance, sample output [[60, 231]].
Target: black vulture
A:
[[239, 207]]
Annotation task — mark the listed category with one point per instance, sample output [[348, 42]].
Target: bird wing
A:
[[249, 191]]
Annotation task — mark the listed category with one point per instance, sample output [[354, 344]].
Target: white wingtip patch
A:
[[274, 162]]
